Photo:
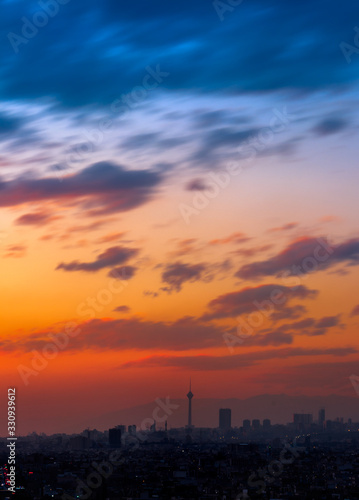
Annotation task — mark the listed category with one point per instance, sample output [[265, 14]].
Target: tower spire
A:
[[190, 396]]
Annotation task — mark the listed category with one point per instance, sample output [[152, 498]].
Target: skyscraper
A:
[[114, 437], [225, 418], [190, 396], [321, 416]]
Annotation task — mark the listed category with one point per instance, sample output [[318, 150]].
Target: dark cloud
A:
[[330, 126], [201, 51], [9, 124], [234, 362], [149, 293], [272, 338], [122, 273], [288, 312], [184, 334], [111, 257], [355, 311], [302, 256], [178, 273], [285, 333], [311, 326], [100, 188], [328, 322], [197, 185], [122, 309], [267, 298], [225, 137]]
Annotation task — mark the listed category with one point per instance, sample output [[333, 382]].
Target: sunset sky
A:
[[179, 197]]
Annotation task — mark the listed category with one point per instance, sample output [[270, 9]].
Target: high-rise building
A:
[[122, 428], [256, 424], [225, 418], [266, 424], [190, 396], [321, 416], [302, 421], [114, 437], [246, 424], [303, 418]]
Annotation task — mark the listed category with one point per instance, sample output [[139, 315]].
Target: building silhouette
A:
[[190, 396], [321, 416], [266, 424], [114, 437], [256, 424], [246, 424], [303, 418], [225, 418]]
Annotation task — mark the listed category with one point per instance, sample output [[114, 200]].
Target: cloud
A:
[[111, 257], [355, 311], [187, 41], [122, 273], [36, 219], [185, 247], [284, 334], [275, 338], [118, 334], [329, 126], [286, 227], [311, 326], [288, 312], [197, 185], [149, 293], [101, 188], [8, 124], [234, 362], [111, 237], [302, 256], [235, 238], [15, 251], [252, 299], [122, 309], [328, 322], [175, 275]]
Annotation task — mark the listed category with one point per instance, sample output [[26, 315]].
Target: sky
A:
[[178, 198]]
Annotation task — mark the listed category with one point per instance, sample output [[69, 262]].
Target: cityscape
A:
[[303, 459]]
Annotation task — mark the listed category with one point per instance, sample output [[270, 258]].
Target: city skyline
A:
[[178, 198]]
